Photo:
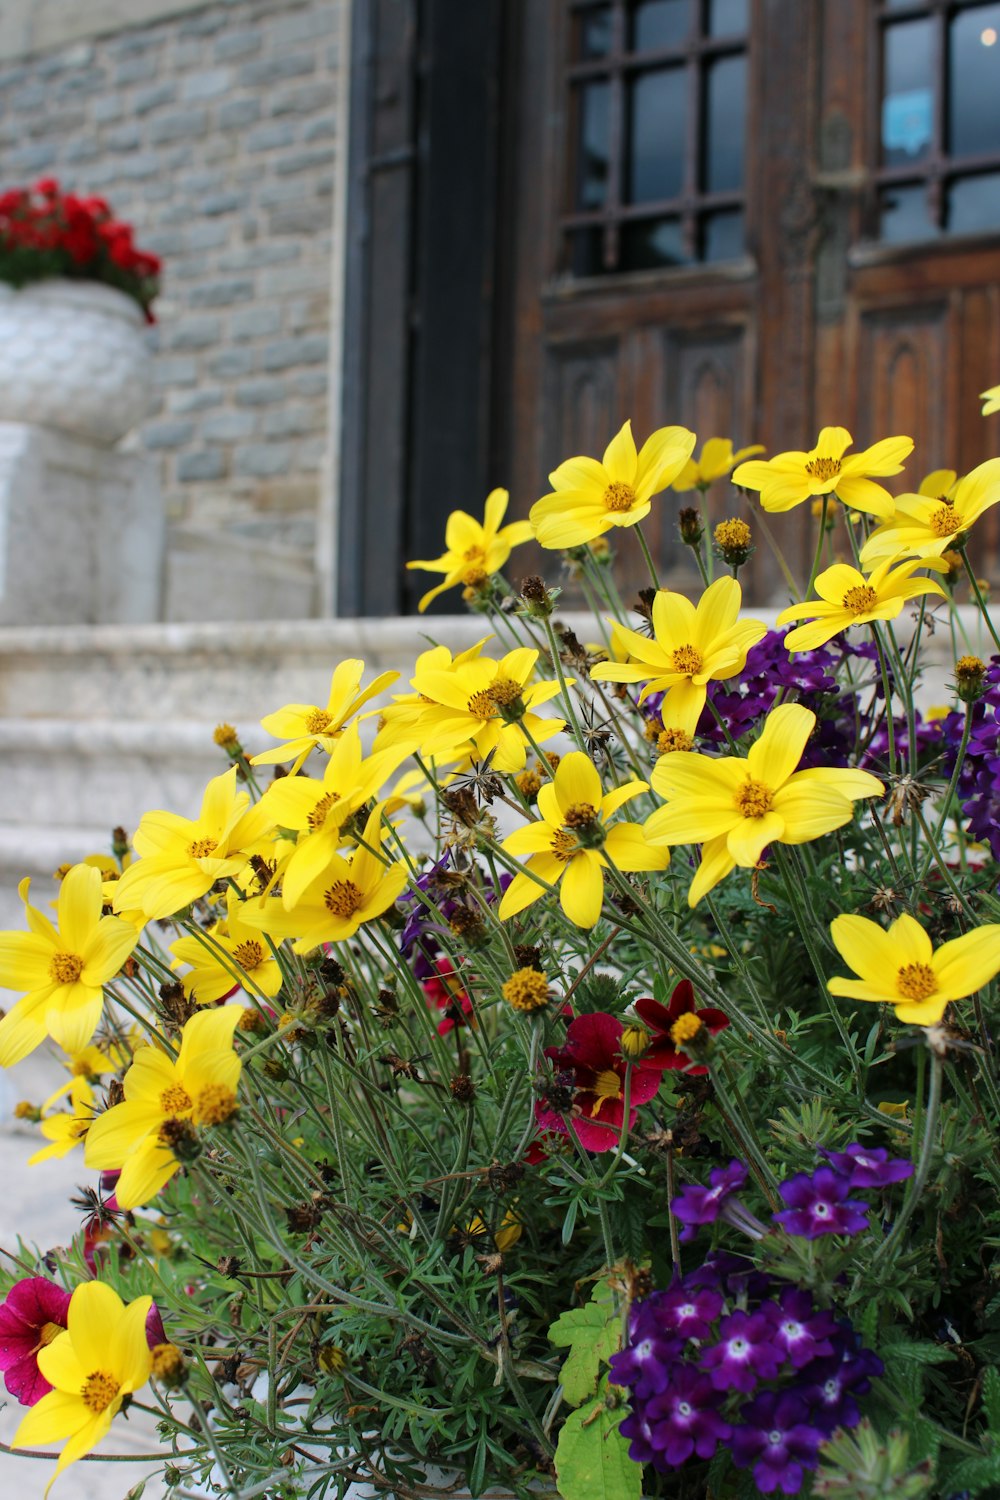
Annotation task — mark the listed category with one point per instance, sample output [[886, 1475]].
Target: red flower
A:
[[444, 990], [674, 1024], [35, 1312], [589, 1084]]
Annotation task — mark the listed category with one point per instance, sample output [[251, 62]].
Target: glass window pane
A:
[[722, 236], [594, 32], [651, 243], [586, 251], [657, 129], [727, 17], [974, 81], [907, 92], [974, 204], [903, 215], [660, 23], [725, 118], [593, 136]]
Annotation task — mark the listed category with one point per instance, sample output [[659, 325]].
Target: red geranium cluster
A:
[[46, 232]]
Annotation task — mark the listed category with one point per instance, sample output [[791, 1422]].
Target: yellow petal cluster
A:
[[790, 478], [474, 551], [929, 524], [306, 726], [229, 954], [715, 461], [847, 597], [901, 967]]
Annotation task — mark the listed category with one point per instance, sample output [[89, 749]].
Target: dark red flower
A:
[[444, 990], [588, 1084], [667, 1047], [35, 1312]]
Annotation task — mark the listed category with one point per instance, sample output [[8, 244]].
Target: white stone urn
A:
[[74, 355]]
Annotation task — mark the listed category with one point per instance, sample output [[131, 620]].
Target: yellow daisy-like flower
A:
[[715, 461], [939, 484], [472, 705], [589, 498], [345, 894], [789, 478], [244, 959], [66, 1129], [847, 597], [928, 524], [991, 400], [475, 552], [102, 1357], [305, 725], [62, 970], [180, 859], [903, 969], [735, 806], [166, 1101], [691, 645], [571, 844]]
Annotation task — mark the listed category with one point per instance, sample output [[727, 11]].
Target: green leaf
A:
[[980, 1475], [592, 1334], [991, 1400], [592, 1461]]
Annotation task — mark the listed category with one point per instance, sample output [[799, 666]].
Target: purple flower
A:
[[420, 939], [834, 1383], [689, 1311], [800, 1333], [683, 1420], [867, 1166], [696, 1205], [745, 1354], [818, 1204], [777, 1440], [645, 1366]]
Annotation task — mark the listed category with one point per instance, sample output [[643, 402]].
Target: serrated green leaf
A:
[[991, 1400], [592, 1334], [592, 1461], [980, 1475]]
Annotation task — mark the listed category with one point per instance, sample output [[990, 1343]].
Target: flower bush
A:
[[46, 232], [571, 1071]]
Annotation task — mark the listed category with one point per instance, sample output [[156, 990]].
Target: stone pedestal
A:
[[81, 531]]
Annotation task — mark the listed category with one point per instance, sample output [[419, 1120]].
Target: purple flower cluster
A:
[[728, 1355], [979, 779], [420, 939]]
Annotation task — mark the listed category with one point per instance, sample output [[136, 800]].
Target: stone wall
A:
[[216, 133]]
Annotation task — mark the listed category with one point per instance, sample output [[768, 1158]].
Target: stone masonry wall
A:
[[215, 133]]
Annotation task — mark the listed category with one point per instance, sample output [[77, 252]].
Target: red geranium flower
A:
[[674, 1024], [590, 1066], [35, 1312], [444, 990]]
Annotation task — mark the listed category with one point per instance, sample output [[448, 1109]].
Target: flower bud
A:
[[635, 1042], [970, 676], [689, 526], [169, 1366], [538, 600], [733, 542]]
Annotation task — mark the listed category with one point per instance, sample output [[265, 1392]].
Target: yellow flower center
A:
[[482, 705], [732, 534], [916, 981], [505, 691], [619, 496], [174, 1099], [564, 845], [754, 799], [317, 817], [98, 1391], [606, 1085], [684, 1028], [687, 659], [317, 721], [225, 736], [343, 899], [580, 814], [944, 521], [474, 573], [202, 848], [673, 739], [823, 468], [249, 954], [526, 989], [65, 968], [215, 1104], [860, 599]]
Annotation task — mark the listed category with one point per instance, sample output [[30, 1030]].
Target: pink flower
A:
[[444, 991], [34, 1313], [589, 1084], [669, 1037]]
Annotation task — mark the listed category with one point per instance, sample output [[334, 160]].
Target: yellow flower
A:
[[927, 525], [589, 498], [789, 478], [992, 400], [166, 1101], [243, 960], [180, 859], [691, 645], [902, 968], [939, 484], [714, 461], [735, 806], [64, 1129], [847, 597], [345, 894], [306, 725], [475, 552], [570, 845], [472, 706], [63, 971], [102, 1357]]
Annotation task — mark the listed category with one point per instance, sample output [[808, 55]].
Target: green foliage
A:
[[592, 1461], [591, 1334]]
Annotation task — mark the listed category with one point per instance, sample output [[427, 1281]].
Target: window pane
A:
[[903, 214], [651, 243], [725, 117], [660, 23], [908, 92], [657, 122], [593, 136], [974, 81], [586, 251], [727, 17], [974, 204], [722, 236], [594, 33]]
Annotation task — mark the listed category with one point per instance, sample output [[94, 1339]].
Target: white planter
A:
[[73, 355]]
